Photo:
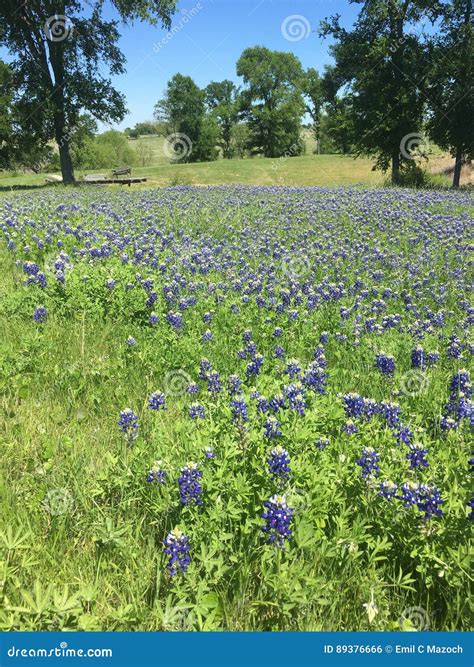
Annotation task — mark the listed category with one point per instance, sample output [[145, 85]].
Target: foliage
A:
[[381, 65], [272, 102], [335, 278], [59, 77], [451, 83], [222, 98]]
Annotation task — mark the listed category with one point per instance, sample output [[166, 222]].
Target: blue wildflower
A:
[[157, 400], [278, 517], [272, 428], [197, 411], [40, 315], [176, 546], [417, 456], [278, 464], [189, 485], [156, 473], [369, 462]]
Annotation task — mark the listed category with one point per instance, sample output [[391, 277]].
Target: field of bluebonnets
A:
[[235, 408]]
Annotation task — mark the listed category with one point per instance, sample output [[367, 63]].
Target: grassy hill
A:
[[309, 169]]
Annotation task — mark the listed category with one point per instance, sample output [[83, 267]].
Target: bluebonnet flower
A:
[[40, 315], [369, 462], [247, 336], [234, 384], [197, 411], [388, 489], [391, 413], [349, 427], [278, 464], [30, 268], [175, 319], [322, 443], [207, 336], [204, 367], [354, 405], [272, 428], [279, 352], [278, 332], [324, 337], [278, 517], [470, 504], [156, 473], [131, 342], [189, 485], [176, 546], [428, 501], [110, 284], [207, 317], [432, 357], [128, 423], [315, 377], [157, 400], [262, 404], [193, 388], [295, 393], [214, 384], [239, 410], [418, 357], [293, 368], [253, 368], [154, 319], [417, 456], [385, 363], [410, 493], [448, 423], [277, 402], [403, 434], [209, 453]]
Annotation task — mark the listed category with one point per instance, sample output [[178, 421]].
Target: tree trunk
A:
[[395, 167], [457, 167], [62, 140]]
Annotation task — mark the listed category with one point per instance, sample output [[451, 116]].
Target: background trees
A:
[[450, 84], [380, 64], [193, 134], [222, 99], [272, 102], [59, 62]]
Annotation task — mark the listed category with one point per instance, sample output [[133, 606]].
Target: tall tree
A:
[[380, 64], [272, 102], [451, 84], [193, 135], [222, 98], [59, 51], [314, 98], [6, 115]]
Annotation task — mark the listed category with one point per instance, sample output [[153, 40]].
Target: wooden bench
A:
[[121, 171]]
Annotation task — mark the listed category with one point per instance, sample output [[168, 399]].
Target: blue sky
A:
[[207, 45]]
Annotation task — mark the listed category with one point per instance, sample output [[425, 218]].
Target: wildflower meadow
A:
[[235, 408]]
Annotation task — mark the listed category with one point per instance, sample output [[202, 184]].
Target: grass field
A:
[[306, 170], [235, 408]]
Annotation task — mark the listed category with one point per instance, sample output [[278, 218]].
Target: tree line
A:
[[391, 84]]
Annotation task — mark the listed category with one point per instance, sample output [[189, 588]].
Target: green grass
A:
[[81, 531]]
